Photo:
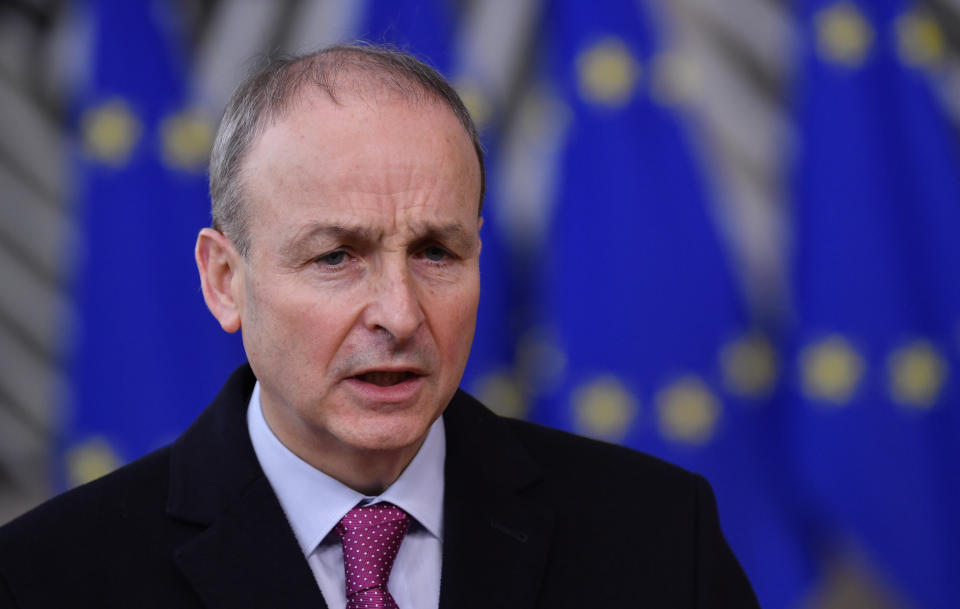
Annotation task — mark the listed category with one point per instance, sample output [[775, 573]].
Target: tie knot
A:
[[371, 538]]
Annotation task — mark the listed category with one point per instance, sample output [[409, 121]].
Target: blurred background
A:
[[721, 231]]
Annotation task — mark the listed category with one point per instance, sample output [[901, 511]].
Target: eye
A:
[[333, 258], [435, 254]]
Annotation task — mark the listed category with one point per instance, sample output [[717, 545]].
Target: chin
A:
[[386, 433]]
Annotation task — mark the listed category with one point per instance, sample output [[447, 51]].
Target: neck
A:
[[367, 471]]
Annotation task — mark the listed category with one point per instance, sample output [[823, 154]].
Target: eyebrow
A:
[[332, 232], [454, 232], [447, 232]]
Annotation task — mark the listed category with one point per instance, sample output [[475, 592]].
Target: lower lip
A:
[[401, 392]]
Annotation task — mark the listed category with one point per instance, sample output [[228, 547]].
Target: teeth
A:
[[384, 379]]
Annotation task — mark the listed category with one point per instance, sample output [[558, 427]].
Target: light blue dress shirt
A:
[[314, 503]]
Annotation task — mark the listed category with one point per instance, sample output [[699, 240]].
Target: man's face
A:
[[360, 288]]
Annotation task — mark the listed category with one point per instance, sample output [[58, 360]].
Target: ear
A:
[[221, 277]]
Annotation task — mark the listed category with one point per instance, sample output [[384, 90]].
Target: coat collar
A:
[[496, 537]]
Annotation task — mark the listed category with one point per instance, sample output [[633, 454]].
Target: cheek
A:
[[317, 328], [286, 322], [459, 318]]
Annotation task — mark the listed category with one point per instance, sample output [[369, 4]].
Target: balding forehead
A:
[[349, 75], [276, 87]]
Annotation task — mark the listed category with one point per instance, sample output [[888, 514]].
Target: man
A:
[[343, 468]]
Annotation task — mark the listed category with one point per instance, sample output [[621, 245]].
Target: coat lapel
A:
[[246, 554], [496, 537], [249, 557]]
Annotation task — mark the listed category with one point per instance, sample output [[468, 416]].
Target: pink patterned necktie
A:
[[371, 537]]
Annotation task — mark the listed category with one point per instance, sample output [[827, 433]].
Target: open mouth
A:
[[385, 378]]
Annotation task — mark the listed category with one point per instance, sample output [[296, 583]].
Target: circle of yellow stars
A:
[[916, 374], [920, 41], [831, 370], [688, 411], [749, 366], [476, 101], [502, 393], [843, 34], [111, 132], [186, 140], [607, 72], [845, 37], [604, 407], [90, 460]]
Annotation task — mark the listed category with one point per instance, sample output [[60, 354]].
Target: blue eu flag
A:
[[875, 418], [658, 348], [146, 355]]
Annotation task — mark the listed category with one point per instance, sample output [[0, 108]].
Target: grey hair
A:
[[269, 92]]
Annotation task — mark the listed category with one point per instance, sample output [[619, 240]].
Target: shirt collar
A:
[[314, 502]]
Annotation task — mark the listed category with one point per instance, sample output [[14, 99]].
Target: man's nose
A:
[[396, 305]]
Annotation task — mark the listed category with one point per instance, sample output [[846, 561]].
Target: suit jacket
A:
[[532, 518]]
